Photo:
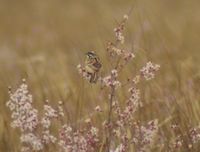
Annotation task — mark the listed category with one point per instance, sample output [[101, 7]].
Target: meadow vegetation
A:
[[44, 42]]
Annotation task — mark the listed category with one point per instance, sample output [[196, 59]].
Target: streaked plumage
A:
[[92, 66]]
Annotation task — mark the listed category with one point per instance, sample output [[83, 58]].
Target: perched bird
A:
[[92, 66]]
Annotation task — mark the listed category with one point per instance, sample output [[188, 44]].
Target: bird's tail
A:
[[94, 77]]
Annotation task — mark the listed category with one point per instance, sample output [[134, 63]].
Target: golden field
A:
[[44, 41]]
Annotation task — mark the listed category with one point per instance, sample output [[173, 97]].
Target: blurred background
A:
[[44, 41]]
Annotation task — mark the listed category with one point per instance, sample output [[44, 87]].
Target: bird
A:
[[92, 66]]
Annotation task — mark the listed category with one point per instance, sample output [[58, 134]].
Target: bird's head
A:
[[90, 55]]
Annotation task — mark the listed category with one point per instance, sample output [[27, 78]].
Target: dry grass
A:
[[44, 41]]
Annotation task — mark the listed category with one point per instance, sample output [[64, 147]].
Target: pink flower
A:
[[24, 116], [148, 71], [111, 80]]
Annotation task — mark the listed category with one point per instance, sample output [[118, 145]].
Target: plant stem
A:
[[108, 139]]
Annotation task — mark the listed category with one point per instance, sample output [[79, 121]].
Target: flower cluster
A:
[[80, 140], [60, 109], [35, 133], [98, 109], [148, 71], [47, 137], [136, 79], [177, 143], [113, 50], [119, 29], [33, 140], [111, 80], [194, 134], [123, 146], [144, 135], [82, 71], [125, 116], [24, 115], [49, 114], [120, 148]]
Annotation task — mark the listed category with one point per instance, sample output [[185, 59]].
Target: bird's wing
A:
[[97, 65]]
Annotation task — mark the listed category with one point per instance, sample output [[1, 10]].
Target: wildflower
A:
[[88, 120], [178, 142], [120, 148], [116, 50], [48, 115], [24, 116], [194, 134], [119, 29], [128, 56], [136, 79], [111, 80], [60, 109], [119, 35], [33, 140], [126, 17], [148, 71], [47, 137], [83, 141], [98, 109], [190, 146], [145, 135], [50, 112], [83, 72], [113, 50], [25, 149]]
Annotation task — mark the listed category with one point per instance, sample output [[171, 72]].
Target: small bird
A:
[[92, 66]]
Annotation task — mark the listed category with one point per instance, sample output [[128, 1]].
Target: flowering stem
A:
[[108, 139]]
